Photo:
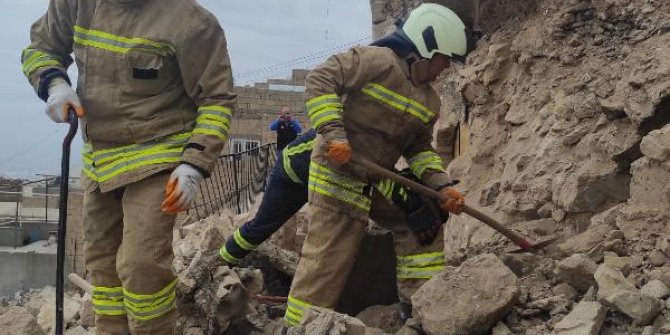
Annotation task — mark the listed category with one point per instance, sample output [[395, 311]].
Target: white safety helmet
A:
[[434, 28]]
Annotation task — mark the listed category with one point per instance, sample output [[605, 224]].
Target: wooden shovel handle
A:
[[430, 193]]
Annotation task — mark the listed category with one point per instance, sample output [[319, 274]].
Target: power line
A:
[[245, 76], [31, 147]]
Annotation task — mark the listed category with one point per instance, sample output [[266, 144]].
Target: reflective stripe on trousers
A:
[[145, 307], [420, 266], [295, 311], [286, 158], [108, 301]]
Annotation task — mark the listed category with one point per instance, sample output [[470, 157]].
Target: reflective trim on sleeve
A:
[[213, 120], [427, 160], [33, 59], [323, 109]]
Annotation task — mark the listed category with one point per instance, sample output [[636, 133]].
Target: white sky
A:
[[260, 33]]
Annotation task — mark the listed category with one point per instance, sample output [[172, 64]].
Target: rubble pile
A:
[[566, 108]]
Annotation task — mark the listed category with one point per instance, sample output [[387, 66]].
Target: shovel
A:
[[519, 240], [62, 219]]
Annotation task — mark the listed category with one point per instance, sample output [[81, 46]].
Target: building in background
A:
[[259, 104]]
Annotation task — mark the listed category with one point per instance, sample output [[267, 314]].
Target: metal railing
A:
[[235, 182]]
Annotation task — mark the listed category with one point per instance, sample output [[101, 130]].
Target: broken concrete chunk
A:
[[501, 329], [662, 274], [618, 293], [386, 318], [565, 290], [655, 289], [587, 240], [618, 263], [320, 321], [468, 300], [16, 320], [577, 270], [46, 317], [656, 145], [79, 330], [586, 318], [658, 258]]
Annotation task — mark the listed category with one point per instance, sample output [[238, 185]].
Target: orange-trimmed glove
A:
[[180, 189], [338, 150], [452, 201], [61, 98]]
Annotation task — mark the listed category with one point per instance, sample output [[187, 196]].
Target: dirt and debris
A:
[[567, 110]]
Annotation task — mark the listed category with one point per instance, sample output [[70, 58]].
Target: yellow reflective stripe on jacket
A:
[[103, 165], [423, 161], [119, 44], [150, 306], [33, 59], [213, 120], [323, 109], [295, 311], [420, 266], [223, 252], [398, 101], [334, 185], [290, 151], [108, 300], [242, 242]]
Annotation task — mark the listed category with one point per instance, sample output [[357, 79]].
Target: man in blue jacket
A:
[[287, 128]]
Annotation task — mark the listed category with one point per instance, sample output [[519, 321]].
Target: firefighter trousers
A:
[[128, 251], [331, 246]]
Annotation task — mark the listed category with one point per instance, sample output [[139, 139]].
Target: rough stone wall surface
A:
[[74, 247], [568, 109], [558, 97]]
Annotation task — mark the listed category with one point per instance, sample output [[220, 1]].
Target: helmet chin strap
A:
[[418, 69]]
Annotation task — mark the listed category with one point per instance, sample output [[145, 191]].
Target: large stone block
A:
[[618, 293], [585, 319], [469, 299]]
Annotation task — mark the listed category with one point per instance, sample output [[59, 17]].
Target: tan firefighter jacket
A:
[[385, 117], [154, 79]]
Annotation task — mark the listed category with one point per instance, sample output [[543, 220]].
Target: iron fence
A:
[[235, 182]]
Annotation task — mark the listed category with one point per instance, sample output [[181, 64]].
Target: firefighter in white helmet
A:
[[155, 99], [389, 112]]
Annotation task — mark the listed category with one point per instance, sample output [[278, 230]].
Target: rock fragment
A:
[[586, 318], [655, 289], [577, 270], [618, 293], [16, 320], [468, 300]]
